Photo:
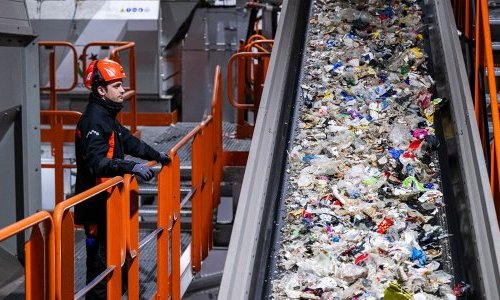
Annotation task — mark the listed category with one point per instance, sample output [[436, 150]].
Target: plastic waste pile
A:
[[364, 201]]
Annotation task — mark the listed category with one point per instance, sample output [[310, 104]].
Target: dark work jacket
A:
[[100, 145]]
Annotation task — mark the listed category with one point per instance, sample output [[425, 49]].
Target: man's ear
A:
[[101, 90]]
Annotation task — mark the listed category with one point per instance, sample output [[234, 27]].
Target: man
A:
[[101, 143]]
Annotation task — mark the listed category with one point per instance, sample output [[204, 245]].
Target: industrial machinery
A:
[[173, 40]]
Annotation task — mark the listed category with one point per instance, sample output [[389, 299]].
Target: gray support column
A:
[[31, 130]]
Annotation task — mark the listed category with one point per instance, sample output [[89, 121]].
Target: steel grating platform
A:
[[165, 138], [147, 262]]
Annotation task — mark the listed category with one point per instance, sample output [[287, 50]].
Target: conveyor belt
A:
[[475, 242]]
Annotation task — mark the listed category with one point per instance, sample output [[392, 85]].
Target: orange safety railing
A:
[[130, 211], [252, 63], [206, 159], [484, 67], [40, 254], [65, 242], [53, 88], [53, 270], [57, 134]]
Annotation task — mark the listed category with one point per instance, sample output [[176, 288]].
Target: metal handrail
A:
[[130, 211], [259, 45], [52, 88], [252, 63], [484, 58], [218, 149], [64, 239], [34, 276], [230, 94], [57, 135], [206, 175], [255, 37]]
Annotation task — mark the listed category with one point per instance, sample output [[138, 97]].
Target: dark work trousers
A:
[[96, 258], [96, 261]]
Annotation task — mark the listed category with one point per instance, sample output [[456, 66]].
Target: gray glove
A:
[[143, 171]]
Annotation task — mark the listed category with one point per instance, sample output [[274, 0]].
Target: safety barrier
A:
[[39, 254], [53, 88], [252, 63], [65, 242], [130, 210], [53, 270], [484, 67], [206, 159], [57, 134]]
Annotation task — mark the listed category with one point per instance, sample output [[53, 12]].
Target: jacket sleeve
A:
[[95, 146], [136, 147]]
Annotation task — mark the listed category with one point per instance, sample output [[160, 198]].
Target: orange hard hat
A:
[[108, 70]]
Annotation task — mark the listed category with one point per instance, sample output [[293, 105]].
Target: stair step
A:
[[152, 189], [225, 214]]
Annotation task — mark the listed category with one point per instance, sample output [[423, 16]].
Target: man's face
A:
[[113, 91]]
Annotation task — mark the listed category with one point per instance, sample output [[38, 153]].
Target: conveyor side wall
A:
[[260, 192], [475, 243]]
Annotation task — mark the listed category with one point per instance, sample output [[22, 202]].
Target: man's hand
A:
[[164, 158], [143, 171]]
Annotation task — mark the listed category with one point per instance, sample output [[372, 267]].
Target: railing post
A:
[[240, 88], [209, 186], [57, 153], [217, 114], [165, 195], [175, 210], [67, 247], [197, 201], [36, 261], [52, 79], [205, 187], [131, 225], [115, 251]]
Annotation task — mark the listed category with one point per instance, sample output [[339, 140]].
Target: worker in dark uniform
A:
[[101, 143]]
